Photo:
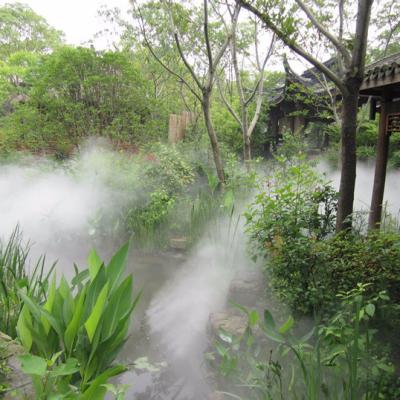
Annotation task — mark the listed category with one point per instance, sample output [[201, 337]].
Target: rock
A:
[[228, 321], [246, 288], [217, 396], [178, 243], [18, 385]]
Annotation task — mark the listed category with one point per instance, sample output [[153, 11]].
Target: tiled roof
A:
[[383, 68]]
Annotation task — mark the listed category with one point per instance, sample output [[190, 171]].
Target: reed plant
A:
[[16, 273]]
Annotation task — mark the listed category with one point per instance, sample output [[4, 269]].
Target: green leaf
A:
[[253, 318], [269, 320], [73, 326], [49, 303], [370, 309], [118, 307], [116, 266], [94, 264], [94, 318], [96, 389], [33, 365], [23, 328], [286, 326], [70, 367]]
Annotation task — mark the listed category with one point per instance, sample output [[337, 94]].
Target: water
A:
[[364, 184]]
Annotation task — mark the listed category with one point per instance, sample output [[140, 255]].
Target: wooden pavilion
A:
[[382, 85]]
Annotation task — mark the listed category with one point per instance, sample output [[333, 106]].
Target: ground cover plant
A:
[[337, 359]]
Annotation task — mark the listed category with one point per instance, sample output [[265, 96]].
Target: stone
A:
[[179, 243], [228, 321], [19, 386], [216, 396], [246, 288]]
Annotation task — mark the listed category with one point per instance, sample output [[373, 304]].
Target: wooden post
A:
[[173, 128], [382, 150]]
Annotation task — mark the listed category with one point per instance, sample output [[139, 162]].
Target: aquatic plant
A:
[[16, 274], [86, 320]]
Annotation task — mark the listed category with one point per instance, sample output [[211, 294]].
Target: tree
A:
[[200, 60], [283, 20], [246, 121], [21, 29], [387, 22], [74, 93]]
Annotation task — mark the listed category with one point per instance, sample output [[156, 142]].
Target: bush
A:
[[292, 226]]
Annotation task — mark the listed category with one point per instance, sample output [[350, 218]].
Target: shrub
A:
[[168, 169], [295, 210], [292, 225]]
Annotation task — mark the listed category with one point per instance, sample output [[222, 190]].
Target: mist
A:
[[62, 208], [364, 184]]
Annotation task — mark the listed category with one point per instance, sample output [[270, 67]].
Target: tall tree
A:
[[201, 58], [21, 29], [282, 19]]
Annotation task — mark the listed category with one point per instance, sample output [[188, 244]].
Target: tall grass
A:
[[16, 273]]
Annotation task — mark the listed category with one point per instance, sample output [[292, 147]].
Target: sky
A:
[[76, 18], [79, 21]]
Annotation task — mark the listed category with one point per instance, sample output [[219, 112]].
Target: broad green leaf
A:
[[370, 309], [73, 327], [117, 308], [68, 368], [49, 303], [253, 317], [94, 264], [32, 306], [23, 328], [33, 365], [269, 320], [96, 389], [54, 358], [94, 318], [116, 266], [286, 326], [68, 301]]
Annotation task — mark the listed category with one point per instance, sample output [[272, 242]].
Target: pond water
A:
[[169, 327]]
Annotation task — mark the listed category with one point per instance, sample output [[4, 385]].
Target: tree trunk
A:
[[213, 138], [349, 159], [247, 148]]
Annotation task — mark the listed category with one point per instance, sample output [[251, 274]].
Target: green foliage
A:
[[293, 213], [50, 380], [87, 321], [170, 170], [291, 225], [76, 92], [339, 359], [22, 29], [146, 223], [14, 276]]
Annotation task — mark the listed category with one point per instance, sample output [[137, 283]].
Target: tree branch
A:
[[165, 66], [228, 105], [340, 47], [206, 35], [294, 46]]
